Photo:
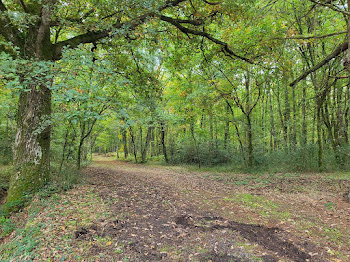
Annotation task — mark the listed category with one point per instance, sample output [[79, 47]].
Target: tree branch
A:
[[341, 48], [330, 6], [2, 7], [312, 37], [185, 30], [192, 22], [211, 3], [73, 19], [43, 36], [23, 6], [94, 36]]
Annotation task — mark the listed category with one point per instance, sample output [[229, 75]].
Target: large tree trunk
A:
[[32, 144]]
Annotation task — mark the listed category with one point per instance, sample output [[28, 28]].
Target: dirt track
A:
[[162, 214]]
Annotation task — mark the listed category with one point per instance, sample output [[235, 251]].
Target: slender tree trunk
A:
[[216, 135], [287, 117], [304, 123], [250, 141], [92, 145], [145, 148], [117, 145], [347, 59], [152, 142], [346, 115], [211, 132], [79, 154], [283, 122], [81, 142], [162, 126], [273, 141], [64, 149], [294, 129], [141, 140], [319, 138], [133, 143], [237, 130], [125, 144], [314, 129], [227, 128], [196, 144]]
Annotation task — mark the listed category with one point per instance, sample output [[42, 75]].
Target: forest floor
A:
[[133, 212]]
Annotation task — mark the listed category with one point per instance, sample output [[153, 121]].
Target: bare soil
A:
[[163, 214]]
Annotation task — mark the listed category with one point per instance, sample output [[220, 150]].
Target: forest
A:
[[174, 130]]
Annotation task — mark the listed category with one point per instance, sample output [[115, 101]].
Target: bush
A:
[[300, 159], [6, 226], [297, 159], [204, 154]]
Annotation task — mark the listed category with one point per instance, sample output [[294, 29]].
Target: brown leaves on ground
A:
[[130, 212]]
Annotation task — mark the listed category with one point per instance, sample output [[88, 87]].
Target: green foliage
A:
[[124, 79], [207, 154], [22, 248], [6, 226]]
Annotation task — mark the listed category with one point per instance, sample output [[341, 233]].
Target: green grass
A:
[[337, 175], [266, 208]]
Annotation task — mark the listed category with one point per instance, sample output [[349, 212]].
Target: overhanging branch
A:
[[330, 6], [312, 36], [186, 30], [341, 48], [94, 36]]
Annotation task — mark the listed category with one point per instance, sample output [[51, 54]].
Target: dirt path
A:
[[162, 214]]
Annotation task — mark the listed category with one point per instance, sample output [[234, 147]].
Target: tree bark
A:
[[227, 128], [273, 141], [250, 142], [125, 144], [304, 122], [162, 126], [319, 137], [133, 143], [145, 148], [32, 143]]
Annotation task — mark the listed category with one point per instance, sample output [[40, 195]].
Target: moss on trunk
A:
[[32, 144]]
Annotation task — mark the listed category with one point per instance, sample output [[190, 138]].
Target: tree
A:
[[49, 27]]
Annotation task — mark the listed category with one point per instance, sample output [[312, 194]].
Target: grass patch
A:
[[337, 176], [266, 208]]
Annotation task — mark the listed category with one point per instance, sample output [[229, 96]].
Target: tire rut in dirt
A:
[[149, 218]]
